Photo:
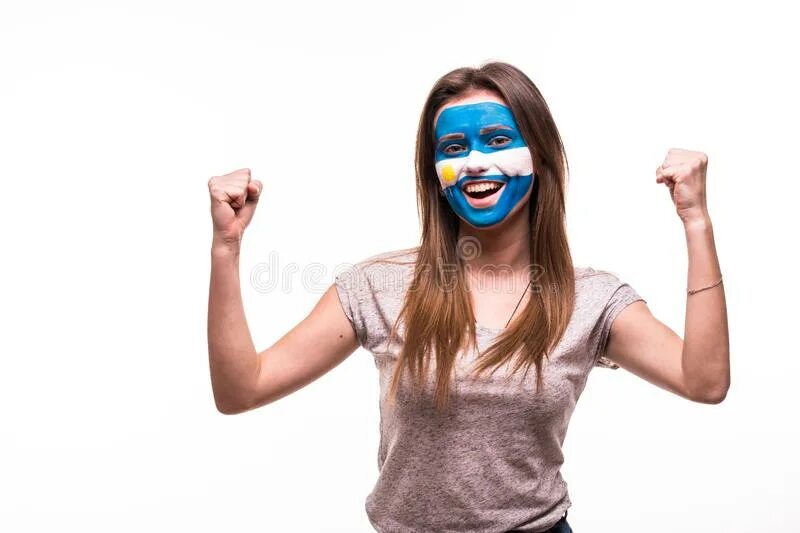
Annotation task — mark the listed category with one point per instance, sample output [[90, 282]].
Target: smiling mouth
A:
[[482, 189]]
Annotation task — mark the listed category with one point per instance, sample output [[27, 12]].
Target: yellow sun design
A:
[[448, 174]]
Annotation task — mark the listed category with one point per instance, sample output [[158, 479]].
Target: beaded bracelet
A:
[[692, 291]]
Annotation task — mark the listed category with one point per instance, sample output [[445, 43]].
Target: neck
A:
[[508, 243]]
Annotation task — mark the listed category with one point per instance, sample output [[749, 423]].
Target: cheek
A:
[[515, 162], [448, 171]]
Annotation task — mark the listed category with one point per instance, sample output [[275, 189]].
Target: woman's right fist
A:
[[234, 198]]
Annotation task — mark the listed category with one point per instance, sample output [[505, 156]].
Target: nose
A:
[[476, 163]]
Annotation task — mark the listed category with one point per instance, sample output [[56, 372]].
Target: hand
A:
[[234, 198], [684, 173]]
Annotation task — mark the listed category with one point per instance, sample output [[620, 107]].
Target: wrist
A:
[[221, 247], [699, 222]]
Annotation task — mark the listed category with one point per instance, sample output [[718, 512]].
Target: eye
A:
[[451, 149], [502, 140]]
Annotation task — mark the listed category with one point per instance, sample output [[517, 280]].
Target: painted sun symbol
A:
[[448, 174]]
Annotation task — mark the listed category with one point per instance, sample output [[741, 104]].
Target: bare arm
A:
[[313, 347], [241, 378], [231, 353], [706, 350], [698, 367], [648, 348]]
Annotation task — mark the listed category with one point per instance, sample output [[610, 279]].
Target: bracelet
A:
[[692, 291]]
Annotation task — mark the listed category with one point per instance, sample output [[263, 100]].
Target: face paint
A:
[[483, 163]]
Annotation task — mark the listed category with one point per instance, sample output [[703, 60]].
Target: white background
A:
[[112, 119]]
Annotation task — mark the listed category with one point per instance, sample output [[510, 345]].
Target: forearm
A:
[[233, 359], [706, 358]]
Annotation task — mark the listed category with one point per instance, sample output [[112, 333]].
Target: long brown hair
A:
[[437, 311]]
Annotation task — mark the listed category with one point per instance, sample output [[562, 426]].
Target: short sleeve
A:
[[348, 284], [622, 295]]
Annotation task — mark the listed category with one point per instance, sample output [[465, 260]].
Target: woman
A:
[[470, 442]]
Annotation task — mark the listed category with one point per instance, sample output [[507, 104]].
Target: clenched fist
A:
[[684, 173], [234, 198]]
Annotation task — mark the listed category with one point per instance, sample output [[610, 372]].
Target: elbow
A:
[[711, 396], [229, 407], [228, 410], [711, 399], [232, 399], [709, 388]]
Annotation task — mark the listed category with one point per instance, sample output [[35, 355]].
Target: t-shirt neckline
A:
[[486, 329]]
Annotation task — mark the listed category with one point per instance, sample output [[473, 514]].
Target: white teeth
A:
[[480, 187]]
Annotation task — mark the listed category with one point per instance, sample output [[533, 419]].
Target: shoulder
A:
[[381, 271], [371, 291], [604, 294], [600, 296], [596, 282], [602, 291], [594, 274], [400, 257]]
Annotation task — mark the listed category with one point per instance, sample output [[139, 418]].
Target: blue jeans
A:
[[561, 526]]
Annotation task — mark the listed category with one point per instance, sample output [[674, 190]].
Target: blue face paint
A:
[[479, 146]]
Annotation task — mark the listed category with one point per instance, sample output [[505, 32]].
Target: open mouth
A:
[[479, 190]]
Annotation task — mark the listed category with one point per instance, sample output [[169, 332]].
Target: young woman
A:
[[470, 442]]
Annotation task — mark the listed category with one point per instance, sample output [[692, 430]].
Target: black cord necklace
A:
[[519, 302], [528, 286]]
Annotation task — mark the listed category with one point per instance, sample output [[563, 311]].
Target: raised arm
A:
[[241, 378], [698, 366]]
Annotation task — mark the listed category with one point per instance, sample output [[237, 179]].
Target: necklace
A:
[[518, 302]]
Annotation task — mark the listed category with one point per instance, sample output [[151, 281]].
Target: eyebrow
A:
[[483, 131], [494, 127], [450, 136]]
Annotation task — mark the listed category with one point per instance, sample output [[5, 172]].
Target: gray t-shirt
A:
[[492, 462]]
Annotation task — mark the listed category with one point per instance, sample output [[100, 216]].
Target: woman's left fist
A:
[[684, 172]]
